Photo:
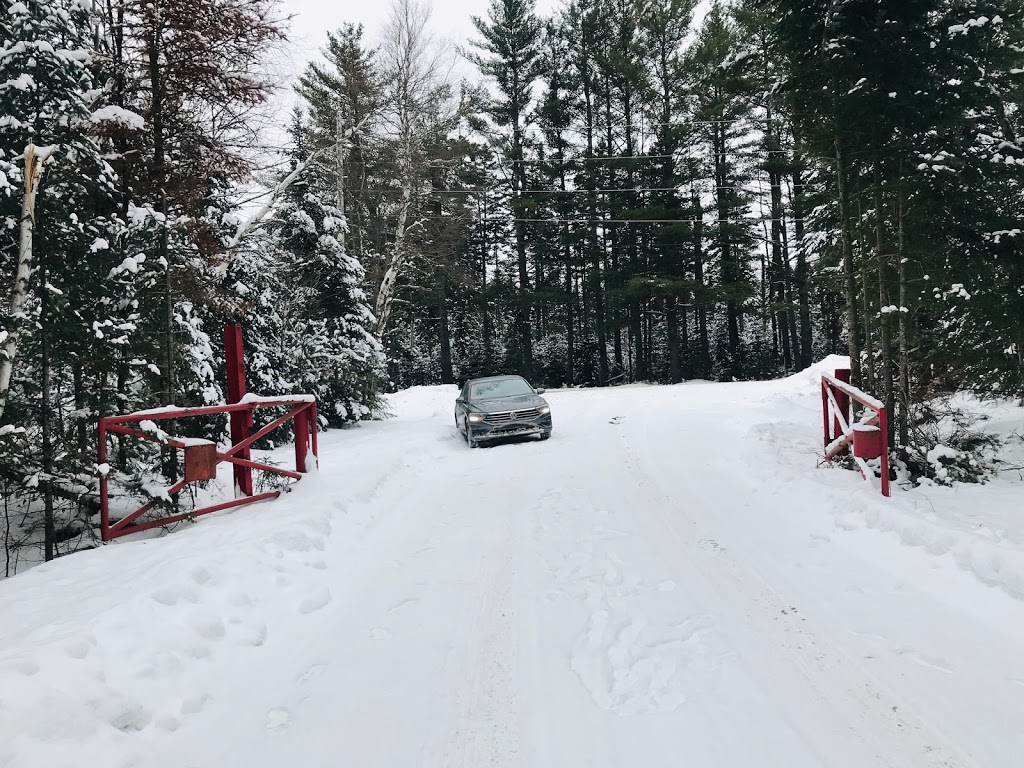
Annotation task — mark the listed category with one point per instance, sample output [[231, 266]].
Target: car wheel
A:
[[470, 441]]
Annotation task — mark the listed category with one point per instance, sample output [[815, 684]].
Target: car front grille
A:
[[510, 417]]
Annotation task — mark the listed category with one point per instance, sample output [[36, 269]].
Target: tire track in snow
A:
[[886, 728]]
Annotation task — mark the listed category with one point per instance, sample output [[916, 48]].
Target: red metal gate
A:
[[869, 436], [202, 456]]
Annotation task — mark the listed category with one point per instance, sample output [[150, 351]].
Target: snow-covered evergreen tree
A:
[[314, 322]]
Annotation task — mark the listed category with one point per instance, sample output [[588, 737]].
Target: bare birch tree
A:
[[417, 70], [35, 163]]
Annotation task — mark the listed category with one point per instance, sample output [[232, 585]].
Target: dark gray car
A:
[[501, 406]]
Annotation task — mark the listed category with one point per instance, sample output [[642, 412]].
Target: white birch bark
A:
[[35, 163], [418, 70], [399, 256]]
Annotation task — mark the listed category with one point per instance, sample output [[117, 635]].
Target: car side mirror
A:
[[541, 390], [460, 400]]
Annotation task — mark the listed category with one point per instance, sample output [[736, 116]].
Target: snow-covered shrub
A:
[[946, 447]]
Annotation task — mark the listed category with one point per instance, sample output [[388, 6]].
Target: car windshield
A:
[[483, 390]]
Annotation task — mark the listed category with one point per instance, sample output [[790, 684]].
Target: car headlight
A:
[[476, 417], [545, 409]]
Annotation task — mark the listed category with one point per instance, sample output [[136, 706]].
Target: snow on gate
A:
[[869, 436], [202, 456]]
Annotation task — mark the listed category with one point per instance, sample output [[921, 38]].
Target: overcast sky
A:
[[312, 19]]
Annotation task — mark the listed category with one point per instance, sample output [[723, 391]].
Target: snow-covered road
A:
[[668, 581]]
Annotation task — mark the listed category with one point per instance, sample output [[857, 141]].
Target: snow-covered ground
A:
[[669, 581]]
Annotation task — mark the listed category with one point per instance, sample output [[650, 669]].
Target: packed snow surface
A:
[[669, 581]]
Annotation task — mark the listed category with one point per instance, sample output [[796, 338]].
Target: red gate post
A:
[[312, 428], [843, 401], [826, 422], [241, 421], [301, 440], [883, 425], [104, 470]]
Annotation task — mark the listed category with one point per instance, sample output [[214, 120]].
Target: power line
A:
[[682, 190], [641, 123], [617, 158], [584, 220]]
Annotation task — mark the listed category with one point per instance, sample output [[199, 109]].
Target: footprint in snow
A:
[[194, 704], [210, 629], [278, 720], [176, 594], [78, 649], [320, 598], [314, 671], [255, 635], [27, 668], [168, 723], [202, 576], [129, 716], [198, 651], [403, 604], [631, 666], [295, 540]]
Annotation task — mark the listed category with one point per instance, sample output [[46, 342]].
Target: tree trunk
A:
[[525, 298], [570, 320], [121, 398], [672, 322], [868, 379], [170, 455], [596, 288], [780, 259], [901, 255], [637, 331], [698, 274], [44, 414], [447, 373], [729, 266], [35, 164], [849, 274], [611, 234], [388, 286], [883, 295], [802, 279], [684, 339], [78, 375], [483, 287]]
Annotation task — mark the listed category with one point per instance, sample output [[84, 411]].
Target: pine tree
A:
[[343, 92], [511, 57], [315, 325], [45, 87], [722, 106]]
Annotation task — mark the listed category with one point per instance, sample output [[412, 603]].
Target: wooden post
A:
[[301, 440], [241, 421], [843, 401]]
